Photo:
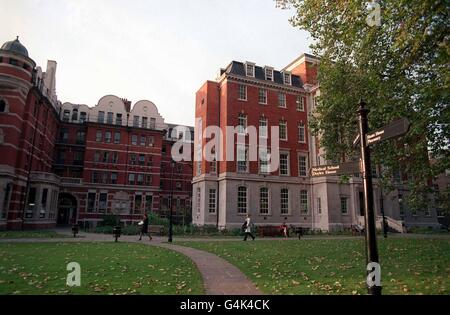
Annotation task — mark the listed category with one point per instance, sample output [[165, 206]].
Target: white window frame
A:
[[261, 151], [199, 199], [250, 66], [288, 168], [304, 206], [282, 100], [239, 201], [242, 89], [212, 201], [342, 198], [305, 174], [284, 124], [242, 128], [239, 149], [263, 96], [263, 125], [301, 132], [282, 197], [268, 70], [261, 198], [287, 75], [300, 103]]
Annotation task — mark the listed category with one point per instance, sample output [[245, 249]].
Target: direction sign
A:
[[337, 169], [395, 129]]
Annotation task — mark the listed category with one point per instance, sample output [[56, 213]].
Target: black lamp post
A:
[[75, 229], [173, 163]]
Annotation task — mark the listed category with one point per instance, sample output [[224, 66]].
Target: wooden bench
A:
[[156, 230]]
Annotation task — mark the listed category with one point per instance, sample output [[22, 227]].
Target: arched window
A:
[[2, 137], [242, 200]]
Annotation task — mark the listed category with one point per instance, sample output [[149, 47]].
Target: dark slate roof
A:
[[238, 68], [16, 47]]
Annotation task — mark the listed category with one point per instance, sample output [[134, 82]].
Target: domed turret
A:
[[15, 47]]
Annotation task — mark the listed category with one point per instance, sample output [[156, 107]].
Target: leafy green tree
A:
[[400, 67]]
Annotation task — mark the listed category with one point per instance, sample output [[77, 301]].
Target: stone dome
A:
[[16, 47]]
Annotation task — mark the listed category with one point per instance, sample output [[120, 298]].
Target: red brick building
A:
[[66, 163]]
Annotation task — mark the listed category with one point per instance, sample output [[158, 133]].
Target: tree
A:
[[400, 67]]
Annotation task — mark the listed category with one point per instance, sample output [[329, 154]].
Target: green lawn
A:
[[106, 268], [31, 234], [409, 266]]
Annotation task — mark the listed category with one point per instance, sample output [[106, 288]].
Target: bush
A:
[[104, 229], [109, 220], [155, 219], [131, 230]]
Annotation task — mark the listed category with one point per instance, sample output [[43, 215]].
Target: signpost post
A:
[[371, 237]]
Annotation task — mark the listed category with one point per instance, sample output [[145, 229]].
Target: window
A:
[[78, 158], [66, 115], [319, 205], [250, 70], [152, 123], [143, 140], [242, 92], [344, 209], [300, 104], [401, 205], [199, 195], [212, 201], [134, 139], [263, 127], [6, 198], [284, 201], [101, 117], [105, 157], [117, 136], [131, 178], [213, 167], [75, 114], [151, 141], [83, 117], [149, 180], [301, 133], [136, 121], [119, 119], [104, 178], [262, 97], [141, 159], [242, 124], [303, 202], [150, 161], [44, 199], [108, 136], [81, 135], [140, 179], [302, 165], [102, 202], [242, 159], [283, 130], [269, 74], [242, 200], [199, 168], [109, 118], [264, 160], [114, 178], [91, 202], [144, 122], [132, 158], [97, 156], [287, 78], [284, 164], [13, 62], [99, 136], [264, 200], [64, 135], [282, 100]]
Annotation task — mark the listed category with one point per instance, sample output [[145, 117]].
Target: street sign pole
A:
[[371, 240]]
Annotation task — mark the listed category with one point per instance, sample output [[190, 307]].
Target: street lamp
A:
[[173, 163]]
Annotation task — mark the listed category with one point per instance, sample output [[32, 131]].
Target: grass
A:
[[409, 266], [31, 234], [106, 268]]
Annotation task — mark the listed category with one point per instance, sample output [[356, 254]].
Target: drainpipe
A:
[[218, 152]]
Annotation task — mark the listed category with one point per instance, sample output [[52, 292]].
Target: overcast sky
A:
[[162, 50]]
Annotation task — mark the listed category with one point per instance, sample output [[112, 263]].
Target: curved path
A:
[[219, 276]]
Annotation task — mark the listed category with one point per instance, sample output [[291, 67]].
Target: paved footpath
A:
[[219, 276]]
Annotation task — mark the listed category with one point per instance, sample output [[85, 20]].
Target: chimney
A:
[[127, 104]]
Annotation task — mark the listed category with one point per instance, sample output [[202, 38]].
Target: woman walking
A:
[[144, 228], [248, 228]]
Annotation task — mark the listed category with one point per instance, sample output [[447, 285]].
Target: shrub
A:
[[155, 219], [109, 220], [104, 229], [131, 230]]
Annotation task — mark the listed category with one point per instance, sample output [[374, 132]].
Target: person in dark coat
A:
[[144, 228], [247, 227]]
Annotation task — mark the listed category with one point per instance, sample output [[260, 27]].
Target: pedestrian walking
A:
[[247, 226], [284, 229], [144, 228]]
